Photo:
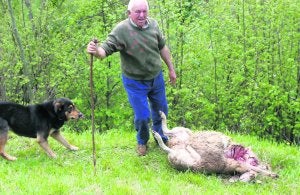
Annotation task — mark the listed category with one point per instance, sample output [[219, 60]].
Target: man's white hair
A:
[[133, 2]]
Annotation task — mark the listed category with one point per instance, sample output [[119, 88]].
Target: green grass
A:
[[120, 171]]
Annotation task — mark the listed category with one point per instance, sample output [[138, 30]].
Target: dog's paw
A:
[[74, 148], [12, 158], [8, 157], [52, 155]]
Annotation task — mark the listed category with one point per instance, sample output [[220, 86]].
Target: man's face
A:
[[139, 14]]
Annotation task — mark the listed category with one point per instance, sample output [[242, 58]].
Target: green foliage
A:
[[237, 62]]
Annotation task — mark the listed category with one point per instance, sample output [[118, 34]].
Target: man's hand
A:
[[96, 51], [92, 48], [172, 77]]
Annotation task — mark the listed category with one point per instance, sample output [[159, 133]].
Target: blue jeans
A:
[[147, 97]]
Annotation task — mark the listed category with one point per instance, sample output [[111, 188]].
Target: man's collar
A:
[[145, 26]]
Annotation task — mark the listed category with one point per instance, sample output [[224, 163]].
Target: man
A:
[[141, 46]]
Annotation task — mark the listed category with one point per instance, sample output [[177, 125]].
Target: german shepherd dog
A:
[[37, 121]]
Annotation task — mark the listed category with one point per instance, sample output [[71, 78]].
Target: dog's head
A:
[[66, 109]]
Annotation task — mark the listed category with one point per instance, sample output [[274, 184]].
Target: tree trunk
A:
[[27, 92], [30, 15], [2, 89], [215, 62], [298, 71], [246, 72]]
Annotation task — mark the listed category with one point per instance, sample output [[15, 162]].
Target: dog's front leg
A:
[[3, 140], [57, 136], [44, 144]]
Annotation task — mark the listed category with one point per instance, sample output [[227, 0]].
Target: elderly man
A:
[[141, 46]]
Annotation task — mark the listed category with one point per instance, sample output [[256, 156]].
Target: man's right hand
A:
[[98, 52], [92, 48]]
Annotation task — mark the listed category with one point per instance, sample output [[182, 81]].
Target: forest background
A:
[[237, 61]]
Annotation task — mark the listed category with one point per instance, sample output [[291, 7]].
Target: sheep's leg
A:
[[193, 153], [262, 171], [240, 167], [164, 123], [182, 159], [161, 143], [248, 176]]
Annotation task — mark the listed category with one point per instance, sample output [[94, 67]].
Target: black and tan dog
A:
[[37, 121]]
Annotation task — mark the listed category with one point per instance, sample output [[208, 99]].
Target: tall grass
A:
[[120, 171]]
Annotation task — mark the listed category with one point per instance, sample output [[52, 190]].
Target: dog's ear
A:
[[57, 106]]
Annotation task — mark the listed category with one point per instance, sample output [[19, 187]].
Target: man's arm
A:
[[166, 56]]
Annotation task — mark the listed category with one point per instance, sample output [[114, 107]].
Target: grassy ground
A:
[[120, 171]]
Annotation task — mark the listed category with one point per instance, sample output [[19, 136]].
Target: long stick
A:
[[93, 109]]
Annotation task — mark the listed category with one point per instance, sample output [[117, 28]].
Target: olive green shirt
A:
[[139, 48]]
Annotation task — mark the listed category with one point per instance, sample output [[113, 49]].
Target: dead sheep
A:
[[210, 152]]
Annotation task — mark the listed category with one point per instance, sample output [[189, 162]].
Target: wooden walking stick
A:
[[93, 108]]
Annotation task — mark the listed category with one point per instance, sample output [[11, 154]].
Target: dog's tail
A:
[[161, 143], [164, 122]]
